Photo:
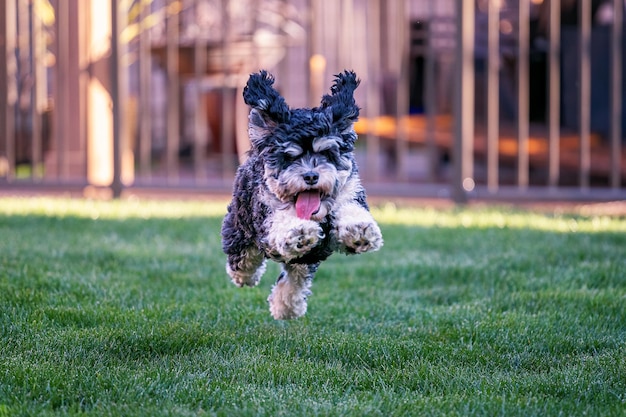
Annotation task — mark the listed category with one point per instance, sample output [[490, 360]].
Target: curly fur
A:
[[296, 153]]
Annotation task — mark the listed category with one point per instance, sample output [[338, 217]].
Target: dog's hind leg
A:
[[288, 299], [246, 267]]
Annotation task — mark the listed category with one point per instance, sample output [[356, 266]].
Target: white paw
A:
[[359, 237], [246, 278], [249, 267], [298, 240], [288, 301]]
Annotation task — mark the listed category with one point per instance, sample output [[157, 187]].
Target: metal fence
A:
[[461, 99]]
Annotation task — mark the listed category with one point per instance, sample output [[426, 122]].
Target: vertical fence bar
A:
[[523, 93], [145, 96], [61, 96], [346, 42], [173, 89], [284, 64], [76, 161], [584, 22], [227, 99], [37, 92], [402, 97], [200, 112], [333, 17], [24, 108], [116, 101], [240, 109], [373, 90], [310, 48], [8, 87], [616, 93], [554, 91], [493, 102], [431, 95], [4, 96], [463, 147]]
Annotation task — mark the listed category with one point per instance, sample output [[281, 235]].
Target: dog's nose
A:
[[311, 177]]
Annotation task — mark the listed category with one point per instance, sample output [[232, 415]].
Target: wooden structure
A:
[[137, 93]]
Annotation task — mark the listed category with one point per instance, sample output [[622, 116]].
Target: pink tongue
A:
[[308, 202]]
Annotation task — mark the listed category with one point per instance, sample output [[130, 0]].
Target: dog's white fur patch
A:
[[288, 299], [291, 236], [356, 230]]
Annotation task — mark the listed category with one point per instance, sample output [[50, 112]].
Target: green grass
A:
[[124, 308]]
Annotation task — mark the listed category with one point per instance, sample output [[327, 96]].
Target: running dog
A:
[[298, 197]]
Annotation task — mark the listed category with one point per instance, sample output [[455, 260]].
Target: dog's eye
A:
[[292, 152], [330, 155]]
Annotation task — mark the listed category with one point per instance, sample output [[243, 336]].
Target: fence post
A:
[[554, 89], [172, 27], [116, 184], [8, 91], [584, 49], [463, 141], [523, 80], [616, 93], [493, 91], [373, 89]]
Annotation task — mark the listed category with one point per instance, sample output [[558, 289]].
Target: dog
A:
[[298, 197]]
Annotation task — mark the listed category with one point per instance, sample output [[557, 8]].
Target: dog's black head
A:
[[306, 153]]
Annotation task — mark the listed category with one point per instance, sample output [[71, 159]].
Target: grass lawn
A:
[[124, 308]]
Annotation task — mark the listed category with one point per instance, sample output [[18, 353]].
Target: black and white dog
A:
[[298, 197]]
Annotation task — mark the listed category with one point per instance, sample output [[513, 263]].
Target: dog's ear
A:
[[341, 102], [268, 106]]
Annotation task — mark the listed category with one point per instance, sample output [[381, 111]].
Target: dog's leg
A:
[[288, 299], [246, 267], [356, 230], [290, 237]]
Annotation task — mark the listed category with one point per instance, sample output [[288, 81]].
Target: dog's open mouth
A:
[[308, 203]]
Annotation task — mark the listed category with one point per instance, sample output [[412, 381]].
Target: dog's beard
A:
[[311, 202]]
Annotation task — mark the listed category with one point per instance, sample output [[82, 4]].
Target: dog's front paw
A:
[[298, 240], [359, 237]]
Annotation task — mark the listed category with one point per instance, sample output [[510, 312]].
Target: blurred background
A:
[[460, 98]]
